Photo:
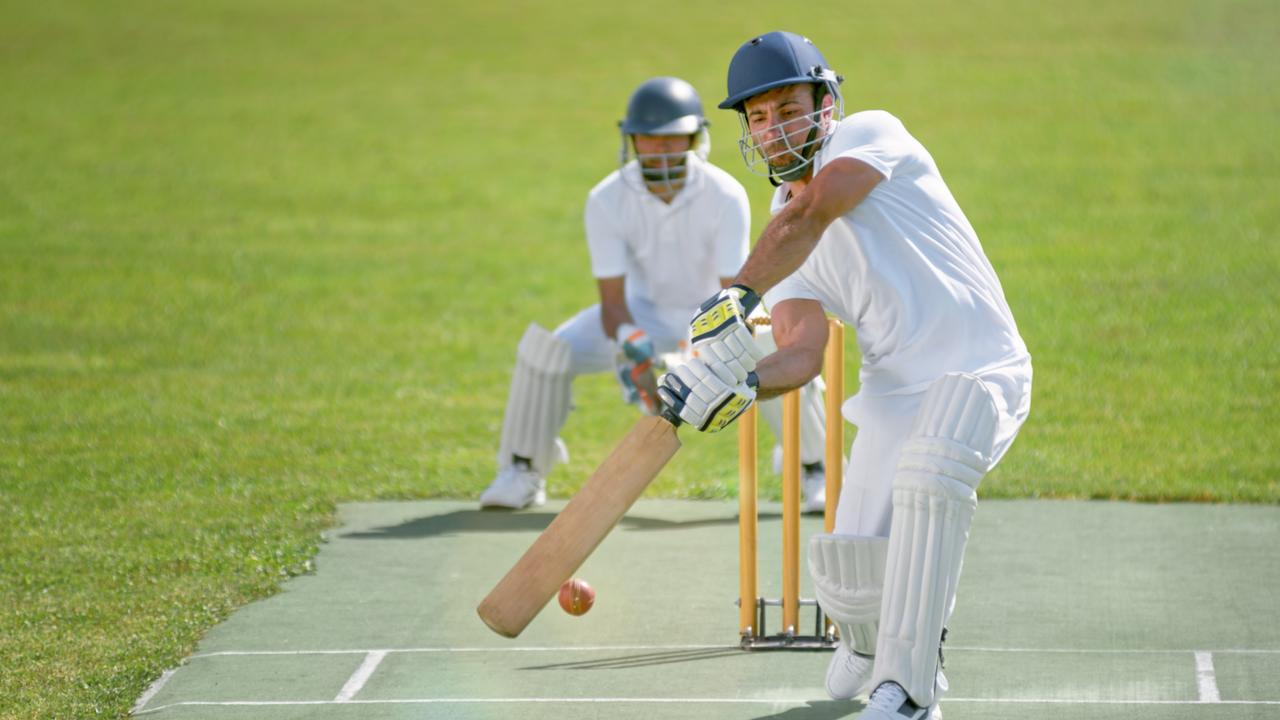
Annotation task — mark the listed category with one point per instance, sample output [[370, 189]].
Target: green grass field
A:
[[257, 258]]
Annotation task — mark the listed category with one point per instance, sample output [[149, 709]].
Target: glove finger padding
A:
[[701, 398], [677, 392], [732, 356]]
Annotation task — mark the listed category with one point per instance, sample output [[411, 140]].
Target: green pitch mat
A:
[[1066, 610]]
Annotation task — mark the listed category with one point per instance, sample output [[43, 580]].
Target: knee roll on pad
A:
[[848, 579], [954, 433], [538, 403], [934, 499]]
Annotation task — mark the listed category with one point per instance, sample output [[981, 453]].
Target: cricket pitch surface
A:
[[1066, 610]]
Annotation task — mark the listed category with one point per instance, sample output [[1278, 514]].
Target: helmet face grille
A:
[[784, 151], [662, 174]]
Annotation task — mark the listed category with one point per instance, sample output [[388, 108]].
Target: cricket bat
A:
[[574, 534]]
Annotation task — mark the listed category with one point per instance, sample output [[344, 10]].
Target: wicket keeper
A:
[[664, 230]]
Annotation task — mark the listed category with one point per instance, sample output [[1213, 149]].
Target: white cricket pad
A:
[[538, 403], [848, 579], [934, 499]]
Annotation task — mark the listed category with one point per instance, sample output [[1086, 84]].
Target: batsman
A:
[[664, 230], [865, 228]]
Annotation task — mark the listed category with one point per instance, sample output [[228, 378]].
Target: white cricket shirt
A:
[[673, 255], [904, 268]]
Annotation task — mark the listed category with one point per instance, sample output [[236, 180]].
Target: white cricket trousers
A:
[[884, 422], [590, 351]]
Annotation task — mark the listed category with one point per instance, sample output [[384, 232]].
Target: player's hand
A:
[[721, 337], [639, 387], [635, 343], [702, 399]]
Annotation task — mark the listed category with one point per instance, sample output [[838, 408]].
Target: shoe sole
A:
[[537, 501]]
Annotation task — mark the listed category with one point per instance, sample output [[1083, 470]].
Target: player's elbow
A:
[[804, 366]]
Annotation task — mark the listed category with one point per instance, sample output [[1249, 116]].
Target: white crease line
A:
[[1206, 678], [155, 688], [668, 648], [666, 701], [560, 648], [479, 701], [360, 676], [1066, 701], [1105, 651]]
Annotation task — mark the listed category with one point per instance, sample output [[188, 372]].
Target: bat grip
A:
[[670, 416]]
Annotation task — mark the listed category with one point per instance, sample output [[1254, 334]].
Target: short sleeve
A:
[[792, 287], [605, 241], [733, 240], [874, 137]]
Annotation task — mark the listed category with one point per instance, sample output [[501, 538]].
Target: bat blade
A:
[[585, 521]]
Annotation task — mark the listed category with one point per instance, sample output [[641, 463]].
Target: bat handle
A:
[[670, 416]]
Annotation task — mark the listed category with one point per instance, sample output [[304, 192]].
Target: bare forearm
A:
[[786, 369], [613, 304], [782, 247], [612, 315], [794, 232]]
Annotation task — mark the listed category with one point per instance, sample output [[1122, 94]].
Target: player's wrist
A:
[[747, 297]]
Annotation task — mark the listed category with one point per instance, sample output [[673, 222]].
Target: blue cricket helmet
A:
[[664, 106], [773, 60]]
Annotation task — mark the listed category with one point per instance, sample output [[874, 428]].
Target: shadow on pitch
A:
[[818, 710], [666, 657], [489, 521]]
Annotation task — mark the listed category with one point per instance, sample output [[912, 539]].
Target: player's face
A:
[[662, 162], [779, 121], [662, 151]]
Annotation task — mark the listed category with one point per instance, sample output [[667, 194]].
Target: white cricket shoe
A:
[[519, 487], [849, 674], [890, 702], [515, 488]]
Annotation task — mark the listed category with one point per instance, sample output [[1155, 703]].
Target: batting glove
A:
[[635, 343], [695, 393], [638, 385], [721, 337]]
